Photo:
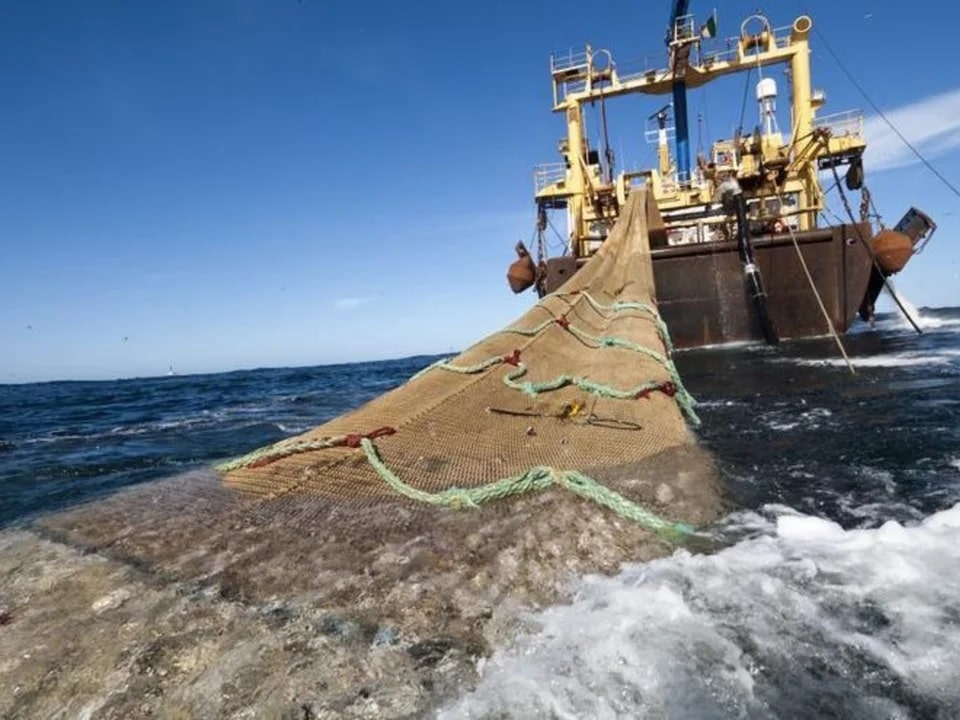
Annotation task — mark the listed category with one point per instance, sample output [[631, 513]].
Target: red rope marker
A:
[[512, 359], [352, 440]]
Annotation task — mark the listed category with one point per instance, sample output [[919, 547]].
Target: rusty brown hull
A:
[[702, 297]]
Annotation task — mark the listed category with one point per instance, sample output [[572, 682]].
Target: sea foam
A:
[[806, 620]]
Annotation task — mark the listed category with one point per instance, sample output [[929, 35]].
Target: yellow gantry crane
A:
[[778, 173]]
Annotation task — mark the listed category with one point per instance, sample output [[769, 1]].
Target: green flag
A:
[[709, 28]]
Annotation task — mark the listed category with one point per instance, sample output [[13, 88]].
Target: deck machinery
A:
[[697, 242]]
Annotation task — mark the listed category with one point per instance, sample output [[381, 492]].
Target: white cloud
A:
[[932, 125], [351, 303]]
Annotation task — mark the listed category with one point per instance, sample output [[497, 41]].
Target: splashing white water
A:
[[897, 360], [807, 620], [924, 322]]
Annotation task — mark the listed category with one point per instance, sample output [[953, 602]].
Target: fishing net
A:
[[362, 569], [578, 390]]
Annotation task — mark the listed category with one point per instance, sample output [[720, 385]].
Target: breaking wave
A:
[[802, 619]]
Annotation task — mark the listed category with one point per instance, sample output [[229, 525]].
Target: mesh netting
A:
[[582, 384], [328, 576]]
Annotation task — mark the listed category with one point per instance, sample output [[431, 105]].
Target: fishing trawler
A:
[[739, 244]]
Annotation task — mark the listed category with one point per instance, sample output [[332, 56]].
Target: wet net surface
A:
[[583, 382], [303, 584]]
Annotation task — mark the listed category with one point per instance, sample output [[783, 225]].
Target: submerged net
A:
[[361, 569], [580, 388]]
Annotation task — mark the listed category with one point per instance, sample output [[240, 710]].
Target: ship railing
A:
[[726, 50], [568, 87], [547, 174], [708, 52], [568, 59], [677, 181], [684, 28], [650, 65], [570, 70], [848, 123], [670, 184]]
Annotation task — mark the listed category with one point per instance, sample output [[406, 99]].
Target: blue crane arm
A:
[[680, 8]]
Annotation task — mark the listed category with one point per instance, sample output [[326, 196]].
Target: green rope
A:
[[621, 305], [684, 399], [612, 341], [634, 305], [603, 341], [464, 370], [528, 333], [535, 479], [430, 367], [471, 369], [609, 341], [282, 449]]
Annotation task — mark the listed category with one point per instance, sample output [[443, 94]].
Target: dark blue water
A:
[[792, 425], [66, 442]]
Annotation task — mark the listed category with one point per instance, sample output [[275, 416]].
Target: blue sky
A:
[[212, 185]]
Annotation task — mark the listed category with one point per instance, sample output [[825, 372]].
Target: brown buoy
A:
[[892, 250], [522, 273]]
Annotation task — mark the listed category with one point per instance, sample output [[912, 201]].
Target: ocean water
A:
[[832, 589], [62, 443]]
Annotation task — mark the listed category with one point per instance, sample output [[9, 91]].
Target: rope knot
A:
[[381, 432], [261, 462], [563, 322], [458, 499], [352, 440], [512, 359], [668, 388]]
